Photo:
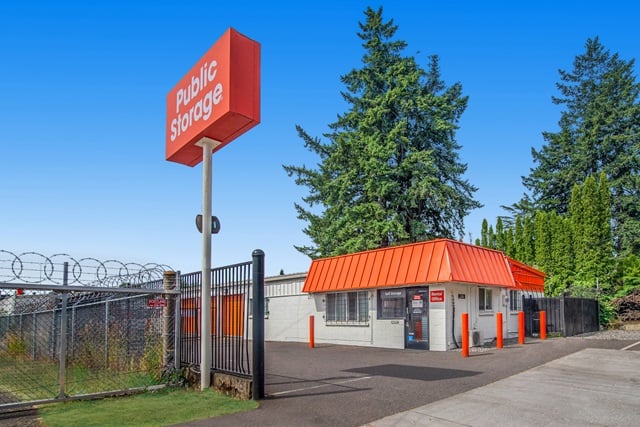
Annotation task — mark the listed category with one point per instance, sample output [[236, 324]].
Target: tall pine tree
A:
[[389, 172], [599, 130]]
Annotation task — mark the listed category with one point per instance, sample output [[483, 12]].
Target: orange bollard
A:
[[312, 341], [499, 329], [465, 334], [521, 327], [543, 325]]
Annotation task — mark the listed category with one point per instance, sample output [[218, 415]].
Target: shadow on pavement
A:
[[413, 372]]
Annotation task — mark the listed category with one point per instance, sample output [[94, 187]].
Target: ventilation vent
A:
[[476, 338]]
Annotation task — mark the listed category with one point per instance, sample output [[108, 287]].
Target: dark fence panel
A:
[[555, 317], [565, 316], [230, 317], [190, 285], [581, 316]]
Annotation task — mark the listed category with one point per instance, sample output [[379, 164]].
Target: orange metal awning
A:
[[526, 278], [435, 261]]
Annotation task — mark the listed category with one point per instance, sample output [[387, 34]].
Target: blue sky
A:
[[82, 113]]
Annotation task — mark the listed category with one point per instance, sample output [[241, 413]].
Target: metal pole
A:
[[205, 296], [465, 334], [168, 325], [63, 335], [521, 327], [499, 340], [106, 334], [178, 325], [258, 325]]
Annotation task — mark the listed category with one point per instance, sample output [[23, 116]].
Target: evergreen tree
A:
[[599, 129], [491, 238], [484, 233], [510, 247], [501, 238], [389, 172], [591, 224], [561, 272], [519, 250], [528, 240], [543, 242], [627, 276]]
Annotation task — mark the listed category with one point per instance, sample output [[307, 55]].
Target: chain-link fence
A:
[[61, 342]]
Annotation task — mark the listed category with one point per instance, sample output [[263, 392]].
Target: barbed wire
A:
[[36, 268]]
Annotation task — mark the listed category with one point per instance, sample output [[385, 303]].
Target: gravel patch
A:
[[612, 334]]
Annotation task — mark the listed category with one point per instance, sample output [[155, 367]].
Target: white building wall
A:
[[288, 318], [289, 310], [387, 333], [438, 319]]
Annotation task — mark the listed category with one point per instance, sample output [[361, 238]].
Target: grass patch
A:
[[38, 379], [159, 408]]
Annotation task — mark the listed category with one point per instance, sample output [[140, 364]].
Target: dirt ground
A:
[[25, 417]]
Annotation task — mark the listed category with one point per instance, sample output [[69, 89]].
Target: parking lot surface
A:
[[354, 386]]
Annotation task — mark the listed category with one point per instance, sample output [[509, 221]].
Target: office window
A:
[[347, 308], [391, 304], [515, 301], [485, 299]]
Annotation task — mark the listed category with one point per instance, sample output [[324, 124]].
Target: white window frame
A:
[[485, 300], [396, 303], [515, 301], [347, 308]]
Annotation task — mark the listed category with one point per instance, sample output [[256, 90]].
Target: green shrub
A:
[[15, 345]]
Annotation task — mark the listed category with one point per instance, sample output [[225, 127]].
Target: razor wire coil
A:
[[36, 268]]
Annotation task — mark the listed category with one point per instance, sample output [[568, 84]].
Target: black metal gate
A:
[[566, 316], [231, 315]]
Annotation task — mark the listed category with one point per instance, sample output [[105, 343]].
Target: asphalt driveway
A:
[[352, 386]]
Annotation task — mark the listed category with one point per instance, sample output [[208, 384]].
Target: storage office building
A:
[[408, 296]]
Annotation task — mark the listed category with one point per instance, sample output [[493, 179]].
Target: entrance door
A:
[[417, 318]]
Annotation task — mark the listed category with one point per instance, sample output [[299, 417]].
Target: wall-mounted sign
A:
[[157, 303], [436, 296], [398, 293], [219, 98]]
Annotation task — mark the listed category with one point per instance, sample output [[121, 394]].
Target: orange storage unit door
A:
[[190, 316], [233, 315]]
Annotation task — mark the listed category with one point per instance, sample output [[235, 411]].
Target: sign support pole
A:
[[205, 296]]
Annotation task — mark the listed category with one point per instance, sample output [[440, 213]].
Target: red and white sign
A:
[[436, 296], [157, 303], [219, 98]]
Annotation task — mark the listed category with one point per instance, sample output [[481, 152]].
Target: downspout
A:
[[453, 320], [371, 297]]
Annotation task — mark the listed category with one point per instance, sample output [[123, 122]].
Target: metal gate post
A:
[[106, 334], [177, 325], [563, 319], [63, 335], [168, 324], [258, 325]]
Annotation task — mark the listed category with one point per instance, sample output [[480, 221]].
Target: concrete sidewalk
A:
[[593, 387]]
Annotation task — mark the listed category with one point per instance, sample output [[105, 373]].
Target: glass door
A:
[[417, 319]]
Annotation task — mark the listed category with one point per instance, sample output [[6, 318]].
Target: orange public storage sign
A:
[[219, 98]]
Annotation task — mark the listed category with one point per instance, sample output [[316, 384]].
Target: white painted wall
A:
[[289, 311], [438, 320]]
